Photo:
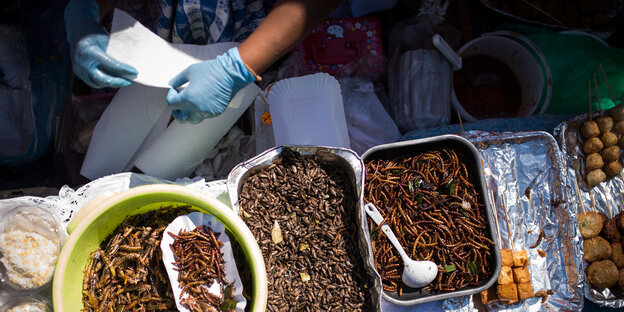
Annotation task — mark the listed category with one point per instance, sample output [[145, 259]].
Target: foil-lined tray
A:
[[347, 160], [606, 197], [525, 174]]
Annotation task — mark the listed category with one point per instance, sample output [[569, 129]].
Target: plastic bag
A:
[[368, 123], [16, 124], [574, 57], [35, 71], [420, 77]]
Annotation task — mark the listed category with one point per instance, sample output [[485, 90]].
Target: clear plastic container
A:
[[30, 242], [28, 303]]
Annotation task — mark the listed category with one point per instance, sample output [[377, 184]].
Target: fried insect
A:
[[430, 202], [316, 264], [126, 272], [197, 255]]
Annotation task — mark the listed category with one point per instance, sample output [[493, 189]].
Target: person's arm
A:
[[212, 84], [288, 23]]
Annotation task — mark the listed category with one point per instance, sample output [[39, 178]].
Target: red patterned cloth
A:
[[336, 42]]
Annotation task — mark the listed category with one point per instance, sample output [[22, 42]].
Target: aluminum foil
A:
[[350, 162], [526, 177], [606, 197]]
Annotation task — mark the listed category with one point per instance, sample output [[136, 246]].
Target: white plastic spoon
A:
[[416, 274]]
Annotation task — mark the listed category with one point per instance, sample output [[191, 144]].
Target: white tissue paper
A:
[[134, 130], [188, 223], [123, 126]]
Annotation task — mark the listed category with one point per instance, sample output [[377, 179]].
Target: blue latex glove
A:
[[212, 85], [88, 41]]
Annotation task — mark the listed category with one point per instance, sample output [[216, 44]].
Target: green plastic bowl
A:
[[99, 218]]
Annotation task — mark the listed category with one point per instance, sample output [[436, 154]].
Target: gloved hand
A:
[[212, 85], [88, 41]]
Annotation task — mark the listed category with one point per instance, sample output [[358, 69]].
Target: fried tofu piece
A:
[[507, 293], [506, 257], [521, 274], [484, 296], [520, 258], [506, 276], [489, 295], [525, 290]]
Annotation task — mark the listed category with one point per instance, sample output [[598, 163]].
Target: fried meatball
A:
[[596, 177], [612, 169], [619, 220], [617, 255], [610, 154], [596, 249], [618, 128], [593, 161], [621, 142], [593, 145], [610, 231], [617, 113], [620, 281], [590, 224], [605, 123], [590, 129], [608, 139], [603, 274]]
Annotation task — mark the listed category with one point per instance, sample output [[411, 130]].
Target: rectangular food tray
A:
[[344, 158], [474, 166]]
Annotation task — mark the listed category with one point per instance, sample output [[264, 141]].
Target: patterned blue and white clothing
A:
[[209, 21]]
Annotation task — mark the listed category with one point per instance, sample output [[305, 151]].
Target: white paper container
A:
[[308, 110], [188, 223]]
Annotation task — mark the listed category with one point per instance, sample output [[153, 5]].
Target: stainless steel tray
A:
[[474, 165], [350, 162]]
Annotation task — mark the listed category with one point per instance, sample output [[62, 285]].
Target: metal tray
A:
[[346, 159], [474, 165], [606, 197]]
